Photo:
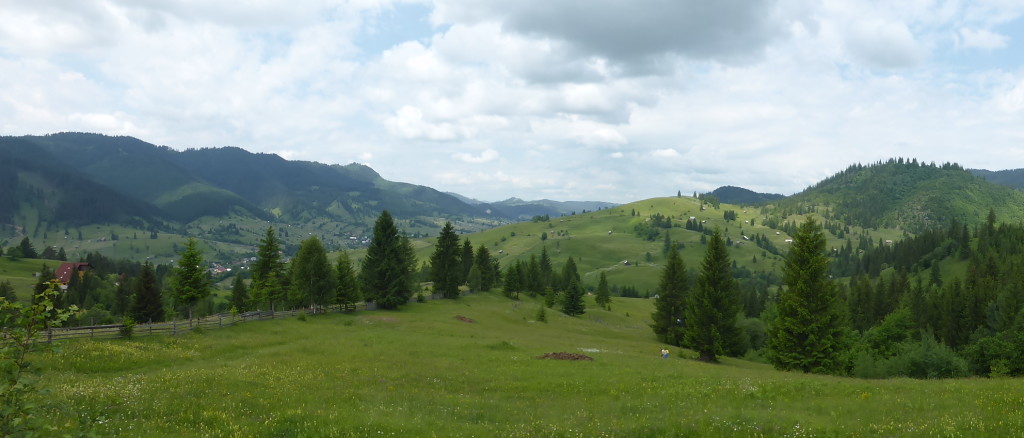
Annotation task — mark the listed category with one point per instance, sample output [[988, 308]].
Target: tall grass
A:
[[423, 372]]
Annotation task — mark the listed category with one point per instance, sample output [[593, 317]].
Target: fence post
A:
[[92, 332], [174, 327], [220, 321], [49, 335]]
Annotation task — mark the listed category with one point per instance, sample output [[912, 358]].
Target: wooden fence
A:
[[177, 327]]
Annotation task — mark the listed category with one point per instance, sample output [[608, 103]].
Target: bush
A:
[[127, 329], [927, 359]]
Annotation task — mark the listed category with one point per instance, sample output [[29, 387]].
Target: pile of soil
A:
[[565, 356], [464, 319]]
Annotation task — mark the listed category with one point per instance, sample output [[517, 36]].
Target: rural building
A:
[[65, 270]]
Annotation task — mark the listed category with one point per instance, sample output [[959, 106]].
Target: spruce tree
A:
[[311, 274], [148, 305], [239, 294], [386, 271], [446, 263], [466, 259], [712, 306], [190, 282], [27, 251], [547, 270], [572, 302], [347, 285], [603, 295], [482, 260], [673, 289], [807, 334], [268, 273], [7, 291]]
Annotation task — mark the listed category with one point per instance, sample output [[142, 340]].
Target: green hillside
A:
[[423, 372], [603, 240], [907, 195]]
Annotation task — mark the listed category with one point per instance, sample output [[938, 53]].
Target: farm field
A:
[[469, 367]]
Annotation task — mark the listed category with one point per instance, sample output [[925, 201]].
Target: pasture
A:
[[469, 367]]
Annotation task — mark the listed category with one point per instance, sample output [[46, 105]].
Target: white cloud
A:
[[981, 39], [596, 100], [484, 157]]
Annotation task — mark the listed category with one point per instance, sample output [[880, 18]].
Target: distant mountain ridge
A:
[[519, 209], [1010, 177], [80, 178]]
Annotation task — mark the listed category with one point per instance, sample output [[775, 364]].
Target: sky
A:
[[597, 100]]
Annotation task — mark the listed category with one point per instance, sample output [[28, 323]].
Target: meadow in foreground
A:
[[423, 372]]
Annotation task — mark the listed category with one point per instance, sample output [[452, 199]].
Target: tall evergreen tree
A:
[[572, 302], [347, 292], [148, 305], [547, 270], [603, 295], [312, 277], [570, 273], [446, 263], [190, 281], [807, 334], [713, 305], [466, 258], [61, 255], [673, 289], [239, 294], [268, 273], [482, 260], [386, 270], [27, 251]]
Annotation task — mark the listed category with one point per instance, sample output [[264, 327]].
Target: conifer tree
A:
[[547, 270], [482, 260], [190, 282], [7, 291], [673, 289], [268, 273], [465, 258], [807, 334], [446, 263], [148, 305], [312, 277], [386, 271], [712, 306], [347, 292], [572, 302], [239, 294], [603, 295], [27, 250]]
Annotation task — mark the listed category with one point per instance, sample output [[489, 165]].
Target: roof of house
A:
[[63, 273]]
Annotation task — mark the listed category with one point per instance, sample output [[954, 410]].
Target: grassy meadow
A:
[[422, 371]]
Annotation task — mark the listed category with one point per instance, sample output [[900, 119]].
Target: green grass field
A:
[[421, 371]]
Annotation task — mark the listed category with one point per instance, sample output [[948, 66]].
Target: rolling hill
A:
[[906, 195]]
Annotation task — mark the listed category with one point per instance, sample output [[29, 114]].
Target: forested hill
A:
[[903, 193], [742, 196], [1010, 178], [130, 178]]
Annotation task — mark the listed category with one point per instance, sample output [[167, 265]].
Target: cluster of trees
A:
[[24, 249], [806, 332], [537, 277]]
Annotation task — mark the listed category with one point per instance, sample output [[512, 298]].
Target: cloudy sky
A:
[[607, 100]]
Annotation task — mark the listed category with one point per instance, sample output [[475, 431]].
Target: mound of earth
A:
[[565, 356], [464, 319]]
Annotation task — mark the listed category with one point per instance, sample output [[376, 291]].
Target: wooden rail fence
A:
[[177, 327]]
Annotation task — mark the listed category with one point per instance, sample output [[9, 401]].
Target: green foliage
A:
[[807, 335], [673, 292], [18, 377], [268, 273], [712, 307], [603, 295], [190, 282], [312, 276], [572, 300], [542, 315], [347, 292], [239, 294], [127, 327], [446, 263], [387, 268], [148, 304]]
